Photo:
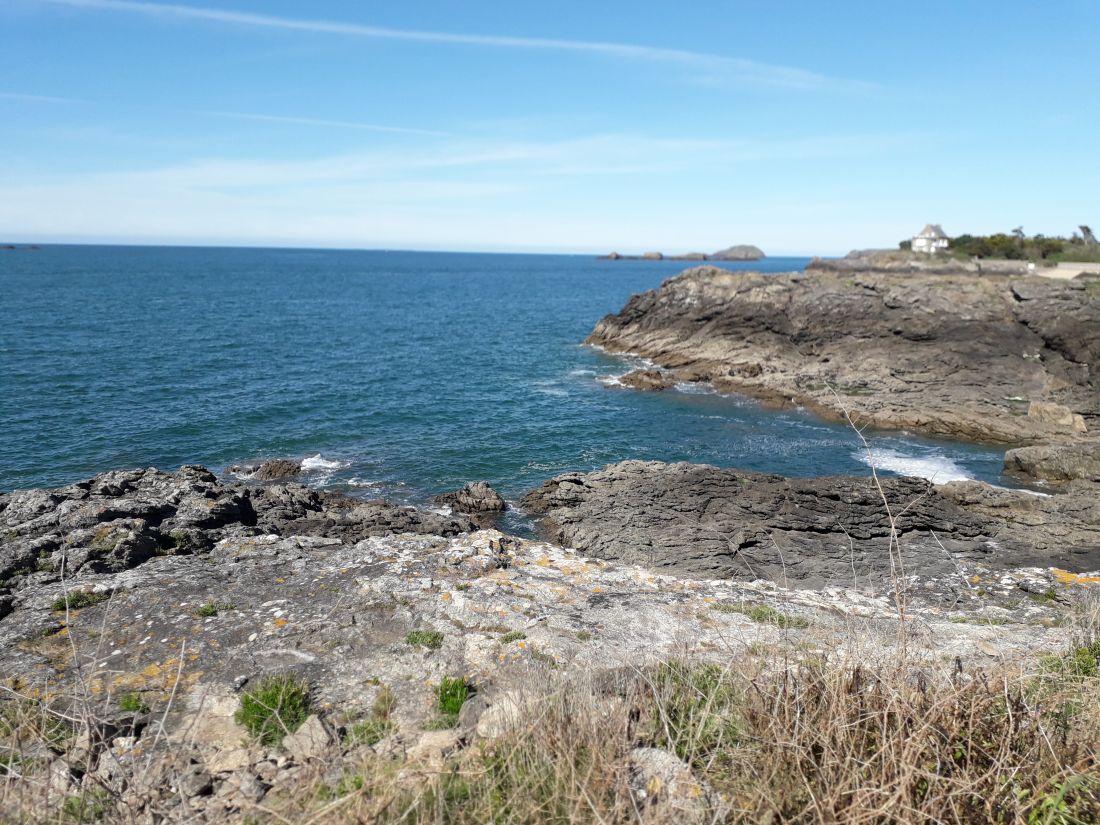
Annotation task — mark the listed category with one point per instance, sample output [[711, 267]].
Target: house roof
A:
[[932, 230]]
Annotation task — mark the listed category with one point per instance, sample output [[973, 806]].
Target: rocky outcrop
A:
[[959, 355], [704, 522], [647, 380], [1057, 463], [119, 520], [277, 469], [474, 497]]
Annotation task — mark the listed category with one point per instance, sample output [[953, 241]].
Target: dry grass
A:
[[887, 739]]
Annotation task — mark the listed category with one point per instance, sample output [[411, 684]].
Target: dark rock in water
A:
[[280, 468], [474, 497], [652, 256], [647, 380], [274, 470], [705, 522]]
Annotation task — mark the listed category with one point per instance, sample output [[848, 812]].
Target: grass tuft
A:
[[276, 707], [431, 639], [76, 599], [763, 614]]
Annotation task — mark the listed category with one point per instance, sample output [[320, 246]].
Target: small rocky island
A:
[[739, 252]]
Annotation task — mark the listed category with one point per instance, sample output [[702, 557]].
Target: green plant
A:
[[275, 708], [431, 639], [451, 694], [372, 730], [1081, 661], [512, 636], [763, 614], [207, 609], [132, 703], [695, 710], [76, 599], [89, 806], [584, 636]]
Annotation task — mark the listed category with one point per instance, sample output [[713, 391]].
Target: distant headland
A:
[[740, 252]]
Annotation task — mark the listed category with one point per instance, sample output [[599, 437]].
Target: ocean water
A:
[[395, 374]]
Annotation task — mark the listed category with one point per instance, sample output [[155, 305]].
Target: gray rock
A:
[[195, 781], [313, 740], [705, 522], [647, 380], [1057, 463], [474, 497], [664, 789], [957, 355]]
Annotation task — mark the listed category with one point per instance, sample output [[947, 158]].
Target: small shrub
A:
[[276, 707], [431, 639], [763, 614], [132, 703], [76, 599], [1082, 661], [584, 636], [512, 636], [208, 609]]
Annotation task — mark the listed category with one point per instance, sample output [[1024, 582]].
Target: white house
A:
[[931, 239]]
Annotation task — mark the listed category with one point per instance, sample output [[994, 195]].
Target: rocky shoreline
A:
[[181, 592], [1006, 360], [141, 610]]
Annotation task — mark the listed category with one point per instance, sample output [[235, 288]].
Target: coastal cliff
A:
[[1011, 360]]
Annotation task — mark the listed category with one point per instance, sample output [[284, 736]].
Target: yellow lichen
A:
[[1065, 577]]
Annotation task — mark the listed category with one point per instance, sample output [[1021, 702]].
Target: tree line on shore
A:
[[1018, 245]]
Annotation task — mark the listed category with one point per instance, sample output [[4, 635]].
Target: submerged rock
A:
[[647, 380]]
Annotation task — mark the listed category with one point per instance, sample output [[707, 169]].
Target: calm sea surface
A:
[[394, 373]]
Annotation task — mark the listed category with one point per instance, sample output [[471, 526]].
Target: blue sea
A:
[[393, 374]]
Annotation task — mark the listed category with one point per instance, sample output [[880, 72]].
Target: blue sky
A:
[[803, 127]]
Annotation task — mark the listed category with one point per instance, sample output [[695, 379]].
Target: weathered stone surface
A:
[[474, 497], [647, 380], [1057, 462], [122, 519], [702, 521], [960, 355], [313, 740], [1057, 415], [664, 789]]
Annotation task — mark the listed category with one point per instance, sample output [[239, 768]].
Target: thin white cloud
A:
[[336, 124], [716, 66], [36, 98]]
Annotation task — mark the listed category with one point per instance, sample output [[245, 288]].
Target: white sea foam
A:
[[355, 481], [611, 380], [938, 469], [549, 387], [315, 463]]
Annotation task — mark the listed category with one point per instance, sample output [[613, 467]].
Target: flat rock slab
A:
[[701, 521]]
